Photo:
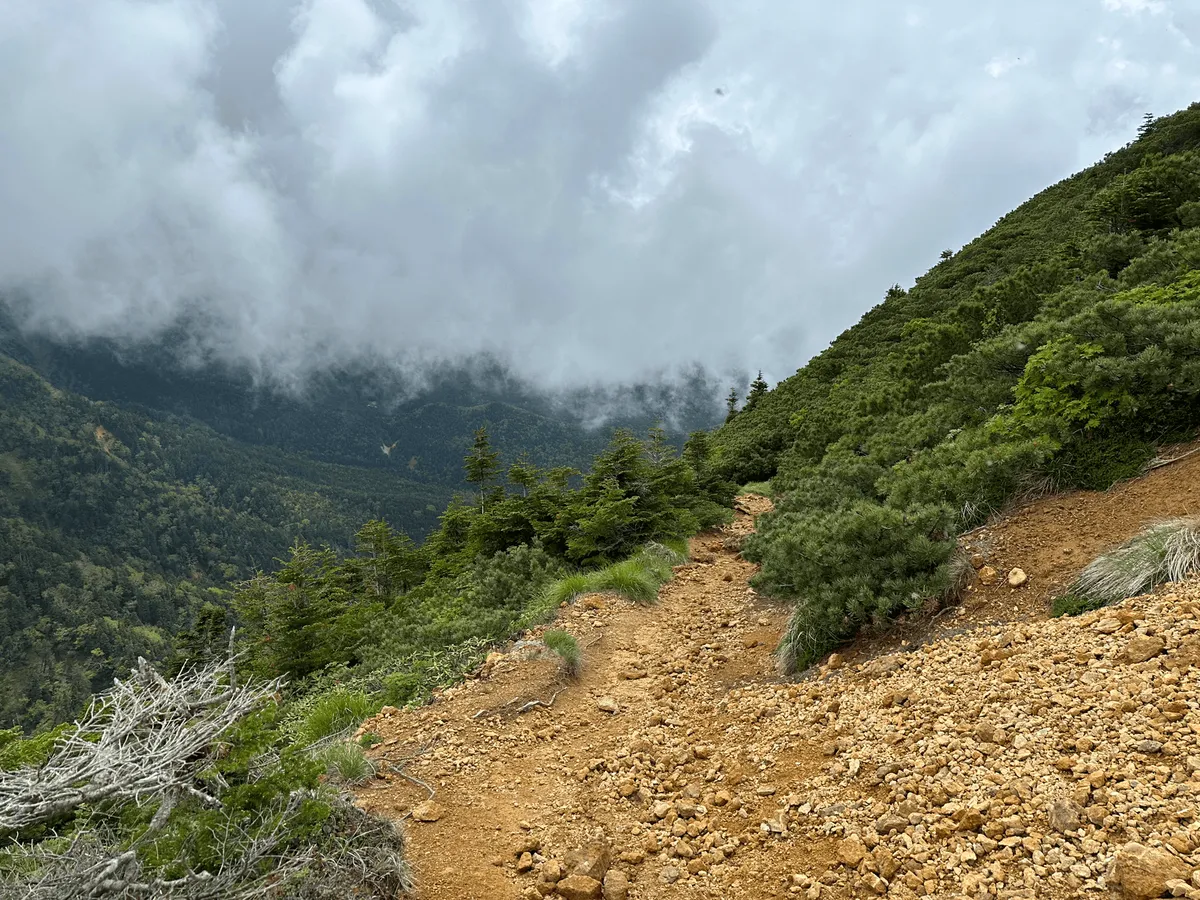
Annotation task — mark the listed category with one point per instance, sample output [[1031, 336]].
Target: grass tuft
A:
[[347, 764], [1164, 552], [635, 579], [567, 649], [762, 488], [333, 713]]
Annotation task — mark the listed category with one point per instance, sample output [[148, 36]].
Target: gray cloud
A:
[[556, 182]]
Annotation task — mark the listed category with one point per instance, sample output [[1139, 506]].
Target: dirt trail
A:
[[989, 753], [555, 776]]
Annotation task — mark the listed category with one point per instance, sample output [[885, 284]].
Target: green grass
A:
[[756, 487], [636, 579], [1163, 552], [331, 713], [347, 764], [567, 649]]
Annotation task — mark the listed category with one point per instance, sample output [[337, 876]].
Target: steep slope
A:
[[990, 752], [1055, 351]]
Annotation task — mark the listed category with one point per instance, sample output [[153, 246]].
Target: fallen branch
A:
[[1159, 463], [534, 704]]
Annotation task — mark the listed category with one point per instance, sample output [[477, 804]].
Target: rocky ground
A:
[[992, 753]]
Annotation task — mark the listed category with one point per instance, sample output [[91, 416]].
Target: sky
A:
[[594, 191]]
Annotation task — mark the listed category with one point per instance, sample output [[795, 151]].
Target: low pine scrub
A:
[[1164, 552]]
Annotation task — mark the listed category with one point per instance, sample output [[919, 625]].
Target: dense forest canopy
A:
[[1056, 350]]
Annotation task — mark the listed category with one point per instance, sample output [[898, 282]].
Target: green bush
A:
[[851, 567], [18, 752], [1096, 463], [566, 648]]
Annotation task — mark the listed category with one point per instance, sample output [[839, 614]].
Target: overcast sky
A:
[[595, 190]]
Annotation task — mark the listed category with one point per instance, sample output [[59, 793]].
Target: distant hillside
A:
[[115, 523], [132, 489], [1056, 350], [348, 416]]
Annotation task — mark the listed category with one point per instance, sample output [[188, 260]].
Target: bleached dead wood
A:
[[144, 737]]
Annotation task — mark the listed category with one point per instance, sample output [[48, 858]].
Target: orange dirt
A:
[[700, 714], [503, 777]]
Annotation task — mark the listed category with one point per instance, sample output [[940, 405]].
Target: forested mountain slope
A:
[[349, 414], [115, 524], [1055, 350]]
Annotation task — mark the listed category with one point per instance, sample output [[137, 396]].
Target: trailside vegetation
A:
[[1054, 351], [500, 562], [216, 782]]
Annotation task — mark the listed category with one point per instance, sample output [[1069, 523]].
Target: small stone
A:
[[988, 575], [608, 705], [579, 887], [1143, 647], [1017, 577], [427, 812], [669, 874], [850, 852], [592, 860], [552, 871], [1064, 815], [616, 885], [836, 661], [968, 819], [1148, 746], [525, 862]]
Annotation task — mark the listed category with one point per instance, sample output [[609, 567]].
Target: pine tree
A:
[[731, 404], [524, 474], [482, 463], [758, 388], [1147, 125]]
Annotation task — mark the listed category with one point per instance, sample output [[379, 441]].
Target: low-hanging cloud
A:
[[591, 191]]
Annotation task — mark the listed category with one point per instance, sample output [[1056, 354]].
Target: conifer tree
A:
[[758, 388], [524, 474], [731, 404], [482, 463]]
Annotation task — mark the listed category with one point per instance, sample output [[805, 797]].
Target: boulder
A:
[[591, 860], [1141, 872]]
